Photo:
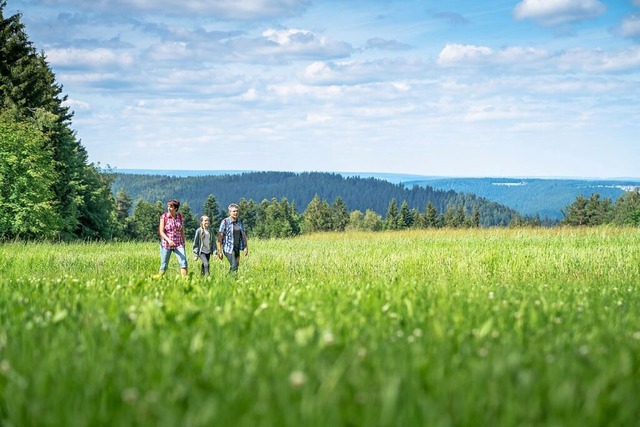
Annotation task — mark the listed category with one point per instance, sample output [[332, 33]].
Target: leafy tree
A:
[[26, 172], [145, 220], [627, 208], [356, 220], [372, 221], [29, 94]]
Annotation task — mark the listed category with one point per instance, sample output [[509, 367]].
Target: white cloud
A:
[[539, 60], [555, 12], [461, 55], [301, 44], [75, 104], [600, 61], [89, 58], [357, 72], [630, 26], [453, 54]]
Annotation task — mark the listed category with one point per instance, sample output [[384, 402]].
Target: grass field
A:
[[440, 328]]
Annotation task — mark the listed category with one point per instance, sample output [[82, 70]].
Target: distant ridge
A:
[[300, 188], [543, 196]]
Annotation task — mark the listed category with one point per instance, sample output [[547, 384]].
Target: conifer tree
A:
[[339, 214], [391, 220], [212, 210], [29, 94]]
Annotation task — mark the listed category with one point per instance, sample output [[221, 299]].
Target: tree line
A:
[[300, 188], [49, 190], [594, 210], [280, 218]]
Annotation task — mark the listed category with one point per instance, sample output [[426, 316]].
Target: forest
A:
[[50, 191], [300, 188]]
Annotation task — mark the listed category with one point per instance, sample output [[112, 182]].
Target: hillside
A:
[[544, 197], [299, 188]]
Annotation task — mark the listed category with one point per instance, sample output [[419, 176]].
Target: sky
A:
[[457, 88]]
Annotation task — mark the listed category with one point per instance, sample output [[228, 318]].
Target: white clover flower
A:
[[327, 338], [297, 379]]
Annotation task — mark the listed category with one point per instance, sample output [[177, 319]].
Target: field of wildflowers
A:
[[436, 327]]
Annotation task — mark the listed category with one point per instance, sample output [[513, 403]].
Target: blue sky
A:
[[544, 88]]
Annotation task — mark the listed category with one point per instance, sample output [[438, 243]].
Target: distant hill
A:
[[299, 188], [545, 197]]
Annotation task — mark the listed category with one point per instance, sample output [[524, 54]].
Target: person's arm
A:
[[162, 234], [196, 244], [246, 244], [219, 244]]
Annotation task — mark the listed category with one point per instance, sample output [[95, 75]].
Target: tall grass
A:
[[443, 327]]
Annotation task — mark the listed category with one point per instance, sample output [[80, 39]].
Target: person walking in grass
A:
[[232, 238], [204, 244], [171, 231]]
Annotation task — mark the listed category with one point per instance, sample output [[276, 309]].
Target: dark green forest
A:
[[300, 188]]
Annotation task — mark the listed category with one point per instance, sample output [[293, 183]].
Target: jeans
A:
[[234, 259], [166, 253]]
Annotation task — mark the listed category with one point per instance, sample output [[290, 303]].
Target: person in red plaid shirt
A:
[[171, 231]]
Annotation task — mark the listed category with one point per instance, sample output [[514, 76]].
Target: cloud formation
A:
[[555, 12], [474, 89]]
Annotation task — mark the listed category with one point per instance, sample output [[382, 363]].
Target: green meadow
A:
[[494, 327]]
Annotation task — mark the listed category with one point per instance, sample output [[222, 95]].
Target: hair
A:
[[175, 203], [233, 205], [202, 218]]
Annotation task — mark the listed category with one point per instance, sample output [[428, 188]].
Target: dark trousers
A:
[[204, 269]]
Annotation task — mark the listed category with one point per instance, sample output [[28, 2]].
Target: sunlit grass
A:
[[442, 327]]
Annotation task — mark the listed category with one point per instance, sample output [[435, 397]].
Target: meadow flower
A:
[[297, 379], [327, 338], [130, 395]]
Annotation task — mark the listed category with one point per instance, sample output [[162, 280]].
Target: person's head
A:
[[233, 210], [173, 204], [204, 221]]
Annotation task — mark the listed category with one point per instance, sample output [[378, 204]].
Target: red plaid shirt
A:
[[173, 230]]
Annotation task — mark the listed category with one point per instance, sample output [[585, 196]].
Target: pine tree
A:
[[317, 216], [29, 94], [339, 214], [391, 220], [430, 216], [212, 210], [405, 219]]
